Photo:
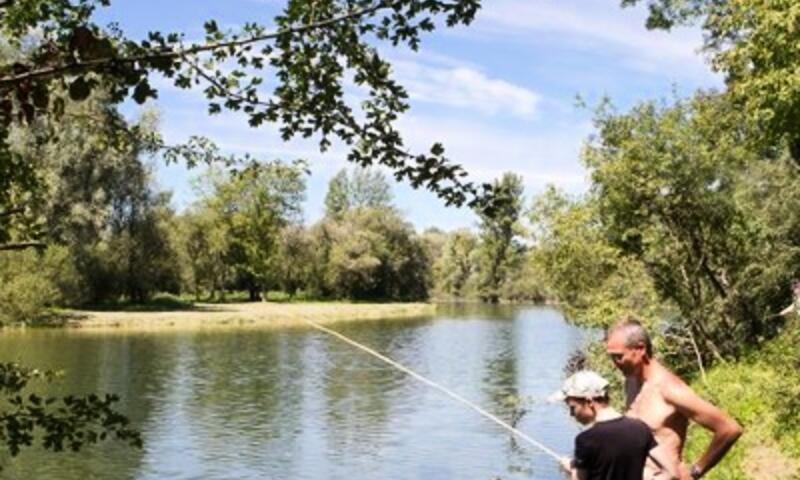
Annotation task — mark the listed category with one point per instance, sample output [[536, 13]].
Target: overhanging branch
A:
[[168, 54]]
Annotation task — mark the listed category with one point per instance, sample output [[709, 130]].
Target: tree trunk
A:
[[794, 149], [255, 295]]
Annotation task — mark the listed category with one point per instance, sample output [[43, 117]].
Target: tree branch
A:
[[21, 246], [100, 62], [12, 211]]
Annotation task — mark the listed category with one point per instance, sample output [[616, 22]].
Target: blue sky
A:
[[499, 94]]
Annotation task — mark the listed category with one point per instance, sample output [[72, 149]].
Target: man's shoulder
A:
[[667, 382]]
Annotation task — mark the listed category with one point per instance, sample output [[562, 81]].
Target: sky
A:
[[500, 94]]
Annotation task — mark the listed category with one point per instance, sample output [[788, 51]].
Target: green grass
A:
[[761, 392], [162, 302]]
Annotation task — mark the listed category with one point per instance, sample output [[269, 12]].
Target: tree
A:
[[675, 187], [372, 253], [361, 188], [141, 254], [294, 267], [592, 281], [95, 191], [255, 204], [453, 268], [498, 248], [756, 44], [204, 239], [314, 47], [337, 199]]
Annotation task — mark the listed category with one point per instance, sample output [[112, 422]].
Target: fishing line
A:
[[435, 385]]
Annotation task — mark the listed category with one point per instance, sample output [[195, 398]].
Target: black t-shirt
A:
[[614, 450]]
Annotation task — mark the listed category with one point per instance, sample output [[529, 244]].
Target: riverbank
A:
[[251, 315], [762, 391]]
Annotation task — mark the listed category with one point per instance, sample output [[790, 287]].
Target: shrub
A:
[[25, 289]]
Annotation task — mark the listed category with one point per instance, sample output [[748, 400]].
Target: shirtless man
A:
[[665, 403]]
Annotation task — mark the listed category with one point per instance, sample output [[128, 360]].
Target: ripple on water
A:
[[298, 404]]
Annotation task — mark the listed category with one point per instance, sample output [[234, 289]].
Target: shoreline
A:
[[242, 315]]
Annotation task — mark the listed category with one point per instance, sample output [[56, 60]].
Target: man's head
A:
[[584, 392], [629, 346]]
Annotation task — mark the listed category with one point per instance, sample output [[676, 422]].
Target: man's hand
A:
[[725, 429]]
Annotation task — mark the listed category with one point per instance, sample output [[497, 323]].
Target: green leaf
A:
[[79, 89], [143, 91]]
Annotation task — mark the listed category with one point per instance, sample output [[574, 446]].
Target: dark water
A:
[[297, 404]]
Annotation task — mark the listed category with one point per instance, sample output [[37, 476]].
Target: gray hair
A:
[[635, 334]]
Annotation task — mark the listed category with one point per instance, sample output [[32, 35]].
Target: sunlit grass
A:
[[250, 314]]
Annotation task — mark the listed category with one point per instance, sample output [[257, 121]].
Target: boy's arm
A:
[[568, 465]]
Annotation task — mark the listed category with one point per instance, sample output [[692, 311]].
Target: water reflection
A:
[[298, 404]]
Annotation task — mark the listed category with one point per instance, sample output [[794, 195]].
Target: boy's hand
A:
[[566, 464]]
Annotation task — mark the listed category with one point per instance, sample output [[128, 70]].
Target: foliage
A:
[[294, 258], [524, 283], [673, 187], [361, 188], [31, 282], [756, 44], [499, 250], [255, 204], [24, 292], [761, 392], [373, 254], [312, 49], [446, 281], [62, 423], [204, 243]]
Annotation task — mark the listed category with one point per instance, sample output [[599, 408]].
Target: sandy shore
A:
[[254, 315]]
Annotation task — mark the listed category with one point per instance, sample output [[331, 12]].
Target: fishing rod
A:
[[435, 385]]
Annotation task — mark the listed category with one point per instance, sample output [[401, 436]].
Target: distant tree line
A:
[[110, 235]]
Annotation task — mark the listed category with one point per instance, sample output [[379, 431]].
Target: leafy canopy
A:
[[309, 52], [756, 44]]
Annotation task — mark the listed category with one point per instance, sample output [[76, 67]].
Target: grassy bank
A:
[[255, 314], [762, 392]]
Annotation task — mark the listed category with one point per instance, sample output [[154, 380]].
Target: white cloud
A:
[[487, 152], [597, 26], [465, 87]]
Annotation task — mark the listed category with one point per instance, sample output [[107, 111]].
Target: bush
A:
[[25, 288], [277, 296]]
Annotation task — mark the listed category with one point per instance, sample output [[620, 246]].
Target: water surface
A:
[[298, 404]]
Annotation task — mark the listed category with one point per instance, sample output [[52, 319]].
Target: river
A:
[[299, 404]]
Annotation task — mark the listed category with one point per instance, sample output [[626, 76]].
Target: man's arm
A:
[[725, 429]]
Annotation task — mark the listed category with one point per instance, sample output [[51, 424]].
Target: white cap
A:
[[583, 384]]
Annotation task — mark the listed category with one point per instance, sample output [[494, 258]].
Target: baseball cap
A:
[[583, 384]]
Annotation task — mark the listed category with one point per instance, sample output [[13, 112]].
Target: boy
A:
[[614, 447]]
